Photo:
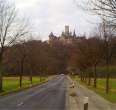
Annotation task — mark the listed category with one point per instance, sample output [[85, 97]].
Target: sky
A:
[[47, 16]]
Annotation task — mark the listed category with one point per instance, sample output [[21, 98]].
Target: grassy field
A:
[[101, 88], [12, 83]]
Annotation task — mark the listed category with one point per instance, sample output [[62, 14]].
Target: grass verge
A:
[[101, 88], [11, 84]]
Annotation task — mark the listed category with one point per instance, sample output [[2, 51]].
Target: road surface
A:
[[49, 96]]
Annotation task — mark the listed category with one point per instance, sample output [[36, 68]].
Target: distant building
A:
[[67, 37]]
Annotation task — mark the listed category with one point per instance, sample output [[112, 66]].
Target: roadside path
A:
[[96, 102]]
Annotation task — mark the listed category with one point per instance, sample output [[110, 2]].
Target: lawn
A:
[[12, 83], [101, 83], [101, 88]]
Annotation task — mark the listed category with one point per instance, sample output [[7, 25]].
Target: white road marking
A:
[[21, 103]]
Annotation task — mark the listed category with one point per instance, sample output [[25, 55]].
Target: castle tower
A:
[[66, 30]]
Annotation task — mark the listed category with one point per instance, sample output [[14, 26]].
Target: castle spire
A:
[[51, 34], [74, 34]]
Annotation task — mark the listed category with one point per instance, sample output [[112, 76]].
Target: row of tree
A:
[[106, 10], [92, 53], [34, 57]]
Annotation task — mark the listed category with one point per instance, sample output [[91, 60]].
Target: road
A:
[[49, 96]]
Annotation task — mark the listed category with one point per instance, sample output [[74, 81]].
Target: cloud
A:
[[25, 3], [52, 15]]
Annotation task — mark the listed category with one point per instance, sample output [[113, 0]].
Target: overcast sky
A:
[[52, 15]]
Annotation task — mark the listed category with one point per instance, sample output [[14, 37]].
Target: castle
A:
[[67, 37]]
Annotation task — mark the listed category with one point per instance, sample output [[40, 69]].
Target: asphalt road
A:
[[49, 96]]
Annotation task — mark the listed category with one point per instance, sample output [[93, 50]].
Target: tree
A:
[[81, 58], [10, 30], [106, 8], [35, 58], [22, 54], [59, 57], [107, 34], [103, 8], [16, 62], [96, 52]]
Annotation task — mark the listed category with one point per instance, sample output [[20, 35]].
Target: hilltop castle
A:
[[67, 37]]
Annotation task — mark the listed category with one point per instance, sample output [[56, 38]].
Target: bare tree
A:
[[107, 34], [95, 45], [10, 29], [22, 56], [103, 8], [106, 10]]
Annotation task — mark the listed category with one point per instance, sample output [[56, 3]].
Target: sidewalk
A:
[[96, 102], [71, 103]]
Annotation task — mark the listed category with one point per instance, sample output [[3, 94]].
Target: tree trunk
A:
[[31, 80], [1, 71], [95, 77], [107, 74], [86, 77], [107, 80], [83, 76], [89, 80], [40, 78], [20, 80], [1, 80], [21, 71]]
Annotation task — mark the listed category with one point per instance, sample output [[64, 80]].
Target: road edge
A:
[[67, 96], [24, 88]]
